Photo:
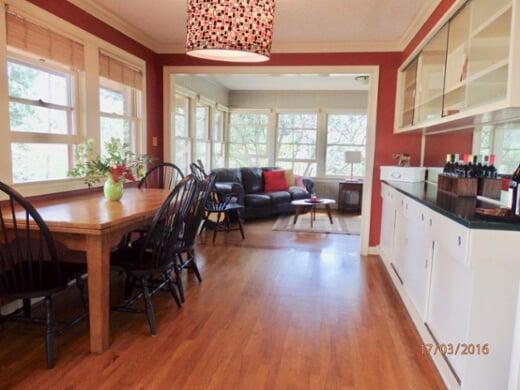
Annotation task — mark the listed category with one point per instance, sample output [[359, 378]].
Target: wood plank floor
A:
[[276, 311]]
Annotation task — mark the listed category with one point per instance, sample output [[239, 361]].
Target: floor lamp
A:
[[353, 157]]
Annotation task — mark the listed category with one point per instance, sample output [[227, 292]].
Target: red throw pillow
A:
[[274, 181]]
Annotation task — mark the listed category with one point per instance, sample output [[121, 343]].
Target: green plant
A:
[[119, 164]]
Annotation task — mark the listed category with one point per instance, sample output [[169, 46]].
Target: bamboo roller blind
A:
[[41, 41], [116, 70]]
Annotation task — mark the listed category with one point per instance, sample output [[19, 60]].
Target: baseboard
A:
[[373, 250]]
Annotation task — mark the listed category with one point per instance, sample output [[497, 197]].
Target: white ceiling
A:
[[296, 82], [300, 25]]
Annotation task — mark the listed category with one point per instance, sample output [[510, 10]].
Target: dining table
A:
[[90, 223]]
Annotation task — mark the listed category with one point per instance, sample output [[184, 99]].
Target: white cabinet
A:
[[459, 285], [417, 261], [450, 302], [386, 242], [462, 73]]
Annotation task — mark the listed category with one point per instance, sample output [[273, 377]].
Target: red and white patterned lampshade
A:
[[230, 30]]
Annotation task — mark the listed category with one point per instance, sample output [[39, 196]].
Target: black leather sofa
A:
[[248, 185]]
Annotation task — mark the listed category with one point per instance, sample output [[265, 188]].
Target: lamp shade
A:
[[353, 156], [230, 30]]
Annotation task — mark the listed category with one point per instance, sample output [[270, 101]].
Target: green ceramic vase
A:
[[113, 191]]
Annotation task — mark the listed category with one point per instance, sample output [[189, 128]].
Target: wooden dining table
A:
[[90, 223]]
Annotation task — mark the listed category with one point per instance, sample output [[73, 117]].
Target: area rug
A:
[[343, 224]]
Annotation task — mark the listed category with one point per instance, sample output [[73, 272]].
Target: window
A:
[[296, 142], [504, 142], [247, 139], [201, 144], [42, 120], [217, 140], [119, 102], [345, 132], [181, 126], [119, 113]]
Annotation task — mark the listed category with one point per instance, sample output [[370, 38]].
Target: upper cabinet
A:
[[462, 75]]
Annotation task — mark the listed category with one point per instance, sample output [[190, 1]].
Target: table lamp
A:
[[353, 157]]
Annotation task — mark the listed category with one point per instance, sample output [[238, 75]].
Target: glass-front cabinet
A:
[[463, 69], [409, 92]]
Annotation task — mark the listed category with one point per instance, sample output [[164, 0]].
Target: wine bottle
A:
[[448, 165]]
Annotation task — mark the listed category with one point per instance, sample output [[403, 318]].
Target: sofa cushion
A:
[[232, 175], [257, 200], [298, 193], [275, 181], [279, 197], [252, 180]]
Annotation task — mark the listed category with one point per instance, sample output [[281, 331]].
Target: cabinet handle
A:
[[396, 175], [407, 206], [459, 240], [430, 222], [422, 217]]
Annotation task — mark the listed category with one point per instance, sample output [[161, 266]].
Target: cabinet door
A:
[[430, 79], [417, 265], [400, 243], [449, 302], [386, 243], [408, 88]]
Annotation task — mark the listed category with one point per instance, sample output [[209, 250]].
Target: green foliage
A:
[[93, 167]]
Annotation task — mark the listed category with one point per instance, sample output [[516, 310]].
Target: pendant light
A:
[[230, 30]]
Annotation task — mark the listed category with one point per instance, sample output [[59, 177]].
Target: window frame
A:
[[327, 144], [206, 138], [496, 144], [187, 137], [72, 109], [276, 138], [86, 93], [132, 110], [229, 142], [218, 140]]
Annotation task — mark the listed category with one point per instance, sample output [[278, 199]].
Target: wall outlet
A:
[[154, 141]]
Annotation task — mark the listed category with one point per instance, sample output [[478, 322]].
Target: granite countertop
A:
[[459, 209]]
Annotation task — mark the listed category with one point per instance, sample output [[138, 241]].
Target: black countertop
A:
[[459, 209]]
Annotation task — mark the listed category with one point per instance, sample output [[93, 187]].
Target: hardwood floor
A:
[[276, 311]]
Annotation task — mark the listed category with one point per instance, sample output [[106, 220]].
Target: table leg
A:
[[297, 213], [313, 215], [98, 263], [327, 207]]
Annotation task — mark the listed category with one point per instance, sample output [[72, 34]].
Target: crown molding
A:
[[417, 22], [138, 35], [118, 23]]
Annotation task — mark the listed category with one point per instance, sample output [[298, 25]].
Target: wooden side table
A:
[[347, 191]]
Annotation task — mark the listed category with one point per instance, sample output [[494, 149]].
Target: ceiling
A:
[[300, 25], [287, 82]]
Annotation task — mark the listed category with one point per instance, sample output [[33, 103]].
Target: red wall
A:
[[87, 22], [439, 145], [386, 142]]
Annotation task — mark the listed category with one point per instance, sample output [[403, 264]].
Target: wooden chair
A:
[[219, 206], [31, 266], [149, 262], [185, 251], [164, 175]]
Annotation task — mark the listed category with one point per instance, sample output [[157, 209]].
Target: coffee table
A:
[[303, 204]]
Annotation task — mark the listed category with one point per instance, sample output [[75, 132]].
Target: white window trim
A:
[[71, 109], [131, 110], [88, 92]]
